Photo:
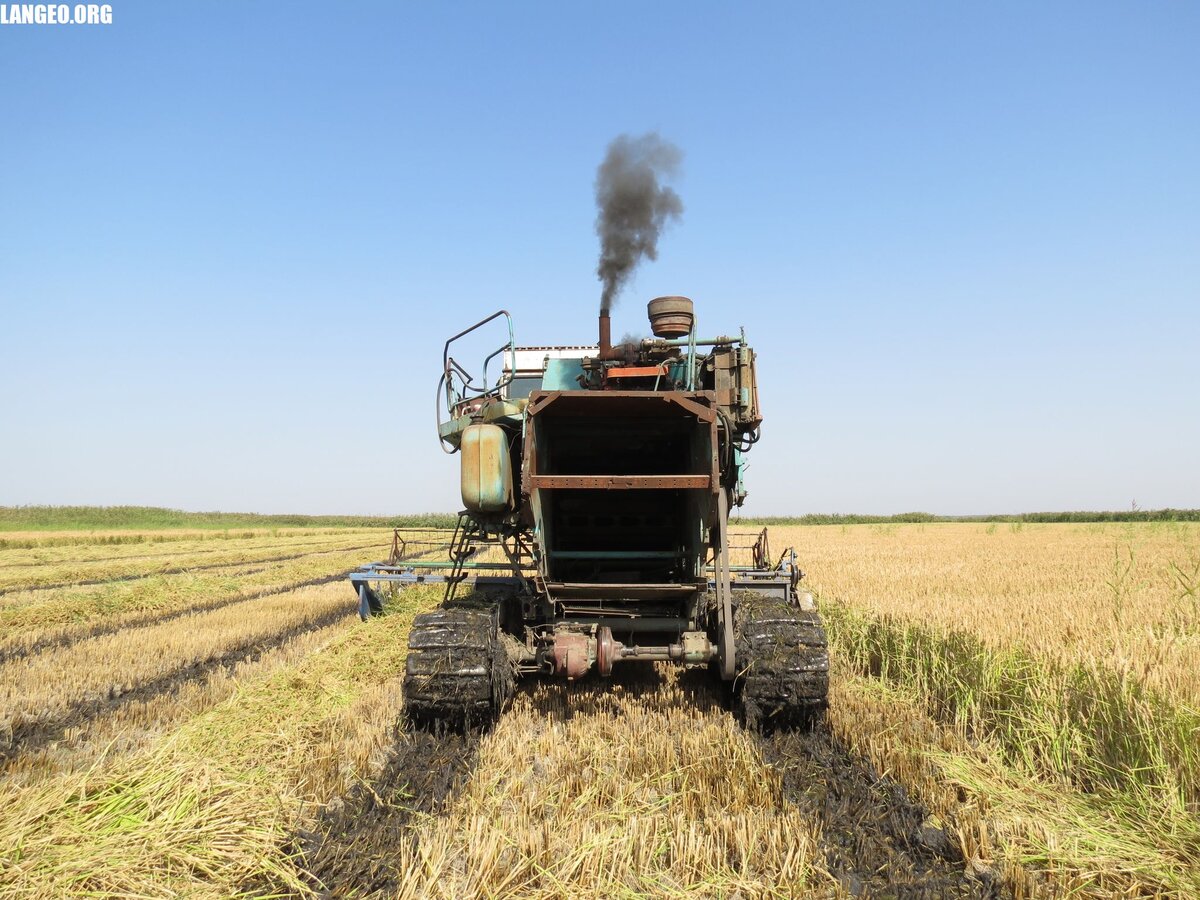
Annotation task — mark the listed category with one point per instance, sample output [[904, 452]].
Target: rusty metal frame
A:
[[762, 551], [403, 545], [725, 643], [687, 400], [622, 482]]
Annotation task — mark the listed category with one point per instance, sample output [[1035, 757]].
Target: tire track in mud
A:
[[100, 629], [875, 839], [37, 734], [348, 850], [181, 570]]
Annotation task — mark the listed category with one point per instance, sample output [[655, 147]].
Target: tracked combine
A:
[[597, 483]]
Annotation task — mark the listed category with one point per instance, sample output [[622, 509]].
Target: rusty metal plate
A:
[[637, 371], [623, 482], [655, 404]]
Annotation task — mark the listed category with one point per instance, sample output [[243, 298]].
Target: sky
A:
[[964, 240]]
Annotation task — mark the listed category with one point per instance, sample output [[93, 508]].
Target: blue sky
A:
[[963, 238]]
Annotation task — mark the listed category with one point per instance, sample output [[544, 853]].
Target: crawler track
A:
[[784, 661], [457, 673]]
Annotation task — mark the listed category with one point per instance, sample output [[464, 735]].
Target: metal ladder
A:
[[462, 547]]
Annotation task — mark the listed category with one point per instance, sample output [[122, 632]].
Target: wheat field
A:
[[1015, 712]]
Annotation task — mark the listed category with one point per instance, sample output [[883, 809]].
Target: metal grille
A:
[[750, 549], [433, 548]]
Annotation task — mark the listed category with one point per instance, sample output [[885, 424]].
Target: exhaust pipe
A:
[[606, 347]]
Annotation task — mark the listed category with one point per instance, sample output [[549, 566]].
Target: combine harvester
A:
[[597, 482]]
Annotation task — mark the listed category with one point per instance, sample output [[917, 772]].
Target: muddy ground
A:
[[875, 839], [70, 635], [32, 735]]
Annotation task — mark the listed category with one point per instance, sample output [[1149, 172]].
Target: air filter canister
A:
[[670, 317]]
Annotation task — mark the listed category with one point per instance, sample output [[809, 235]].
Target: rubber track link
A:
[[457, 673], [783, 663]]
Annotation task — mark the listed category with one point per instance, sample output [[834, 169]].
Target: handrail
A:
[[467, 377], [468, 390]]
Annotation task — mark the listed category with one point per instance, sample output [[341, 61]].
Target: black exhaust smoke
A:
[[634, 207]]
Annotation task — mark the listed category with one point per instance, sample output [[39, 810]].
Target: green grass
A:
[[1098, 729], [1040, 831], [115, 518]]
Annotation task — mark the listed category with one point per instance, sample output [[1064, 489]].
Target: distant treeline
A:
[[1136, 515], [100, 518]]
